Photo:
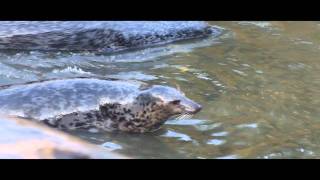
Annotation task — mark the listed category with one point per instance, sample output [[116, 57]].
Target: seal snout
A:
[[192, 107], [197, 108]]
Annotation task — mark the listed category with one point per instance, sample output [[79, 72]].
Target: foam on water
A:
[[258, 24]]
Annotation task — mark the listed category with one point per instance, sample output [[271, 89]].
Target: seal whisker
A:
[[178, 117], [182, 116]]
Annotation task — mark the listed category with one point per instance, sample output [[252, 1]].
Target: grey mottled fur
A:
[[98, 36]]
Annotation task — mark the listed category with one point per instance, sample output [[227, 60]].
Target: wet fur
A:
[[145, 114]]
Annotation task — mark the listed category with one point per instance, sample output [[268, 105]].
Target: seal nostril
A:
[[192, 107], [197, 109]]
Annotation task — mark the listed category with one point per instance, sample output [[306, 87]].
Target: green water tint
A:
[[259, 87], [260, 91]]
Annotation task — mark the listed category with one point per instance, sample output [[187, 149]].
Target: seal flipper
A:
[[73, 121]]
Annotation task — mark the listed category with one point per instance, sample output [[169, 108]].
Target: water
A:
[[259, 85]]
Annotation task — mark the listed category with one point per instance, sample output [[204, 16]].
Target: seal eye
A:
[[175, 102]]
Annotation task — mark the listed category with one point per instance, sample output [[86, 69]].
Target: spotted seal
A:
[[88, 103]]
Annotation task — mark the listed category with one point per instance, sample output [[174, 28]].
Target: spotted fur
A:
[[145, 114]]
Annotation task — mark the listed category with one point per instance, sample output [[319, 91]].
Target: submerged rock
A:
[[22, 139], [100, 36]]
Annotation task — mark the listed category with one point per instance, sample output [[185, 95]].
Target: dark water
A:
[[259, 84]]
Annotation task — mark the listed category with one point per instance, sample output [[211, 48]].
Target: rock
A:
[[22, 139], [100, 36]]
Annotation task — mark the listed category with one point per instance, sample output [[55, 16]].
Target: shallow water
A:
[[258, 82]]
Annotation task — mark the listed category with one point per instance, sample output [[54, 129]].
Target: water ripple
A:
[[216, 142], [180, 136]]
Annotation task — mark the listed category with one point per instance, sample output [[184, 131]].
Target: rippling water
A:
[[259, 84]]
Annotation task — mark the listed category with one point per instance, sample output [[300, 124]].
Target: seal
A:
[[89, 103], [98, 36]]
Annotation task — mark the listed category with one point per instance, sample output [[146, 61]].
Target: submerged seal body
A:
[[97, 36], [85, 103]]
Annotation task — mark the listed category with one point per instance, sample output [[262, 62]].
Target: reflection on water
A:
[[180, 136], [259, 85]]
